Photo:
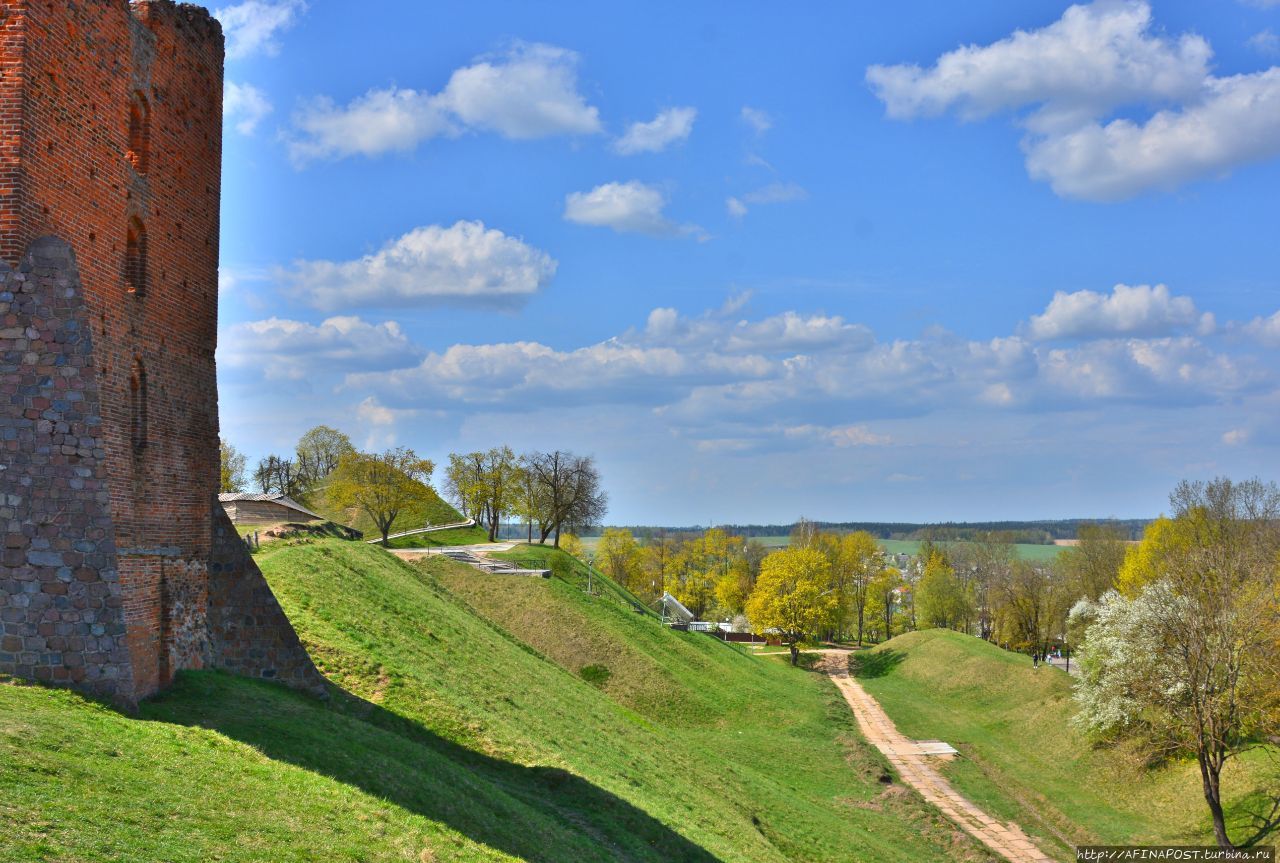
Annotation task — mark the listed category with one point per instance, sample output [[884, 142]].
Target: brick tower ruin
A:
[[118, 566]]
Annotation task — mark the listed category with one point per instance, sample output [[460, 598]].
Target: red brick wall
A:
[[78, 76]]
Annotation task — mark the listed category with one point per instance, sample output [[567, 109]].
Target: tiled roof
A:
[[283, 500]]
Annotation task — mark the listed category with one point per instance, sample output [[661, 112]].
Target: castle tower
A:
[[118, 568]]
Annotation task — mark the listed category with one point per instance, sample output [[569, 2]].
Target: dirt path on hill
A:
[[913, 766]]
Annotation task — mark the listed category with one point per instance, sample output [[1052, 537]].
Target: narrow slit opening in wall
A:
[[138, 394], [135, 259], [139, 132]]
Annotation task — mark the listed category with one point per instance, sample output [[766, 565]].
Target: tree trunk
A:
[[861, 611], [1210, 773], [385, 531], [795, 653], [530, 523]]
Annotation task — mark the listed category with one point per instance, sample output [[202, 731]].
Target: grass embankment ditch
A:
[[458, 732], [1022, 760]]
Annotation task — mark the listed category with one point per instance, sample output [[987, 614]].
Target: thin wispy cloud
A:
[[756, 119], [671, 126], [774, 193], [244, 106], [254, 26], [1265, 42]]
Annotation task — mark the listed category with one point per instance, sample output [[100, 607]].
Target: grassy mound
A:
[[430, 508], [1022, 759], [455, 736]]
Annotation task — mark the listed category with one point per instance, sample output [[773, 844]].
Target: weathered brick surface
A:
[[110, 138]]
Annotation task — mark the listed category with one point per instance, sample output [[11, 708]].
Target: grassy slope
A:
[[1022, 759], [281, 780], [455, 536], [393, 634], [456, 741], [453, 740]]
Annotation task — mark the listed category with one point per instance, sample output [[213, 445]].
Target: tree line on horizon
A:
[[1041, 532]]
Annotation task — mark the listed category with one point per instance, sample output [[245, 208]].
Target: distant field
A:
[[1033, 553]]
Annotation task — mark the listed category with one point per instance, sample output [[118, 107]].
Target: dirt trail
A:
[[908, 758]]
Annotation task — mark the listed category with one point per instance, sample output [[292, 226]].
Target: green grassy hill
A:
[[478, 718], [1022, 760]]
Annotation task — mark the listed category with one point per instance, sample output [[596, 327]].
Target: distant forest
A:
[[1029, 532]]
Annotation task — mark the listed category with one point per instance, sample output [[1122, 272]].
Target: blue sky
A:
[[910, 261]]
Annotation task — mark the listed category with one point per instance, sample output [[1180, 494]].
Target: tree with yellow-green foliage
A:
[[940, 597], [381, 484], [572, 546], [793, 596], [233, 465], [1163, 541], [882, 601], [618, 556], [855, 560]]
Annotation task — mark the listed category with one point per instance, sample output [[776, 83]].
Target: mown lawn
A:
[[1024, 761]]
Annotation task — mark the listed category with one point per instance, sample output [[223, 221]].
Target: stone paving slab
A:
[[911, 760]]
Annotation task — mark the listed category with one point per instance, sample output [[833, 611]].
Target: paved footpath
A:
[[909, 759]]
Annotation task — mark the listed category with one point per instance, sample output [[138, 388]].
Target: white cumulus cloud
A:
[[529, 91], [1235, 122], [669, 127], [1065, 84], [251, 27], [1093, 59], [1129, 310], [378, 122], [464, 262], [630, 207], [244, 106], [293, 350], [1265, 330]]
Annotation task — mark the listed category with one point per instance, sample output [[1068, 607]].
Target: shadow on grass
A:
[[877, 664], [1263, 813], [535, 813]]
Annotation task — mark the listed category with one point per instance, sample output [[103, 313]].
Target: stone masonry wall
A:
[[249, 632], [61, 605]]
